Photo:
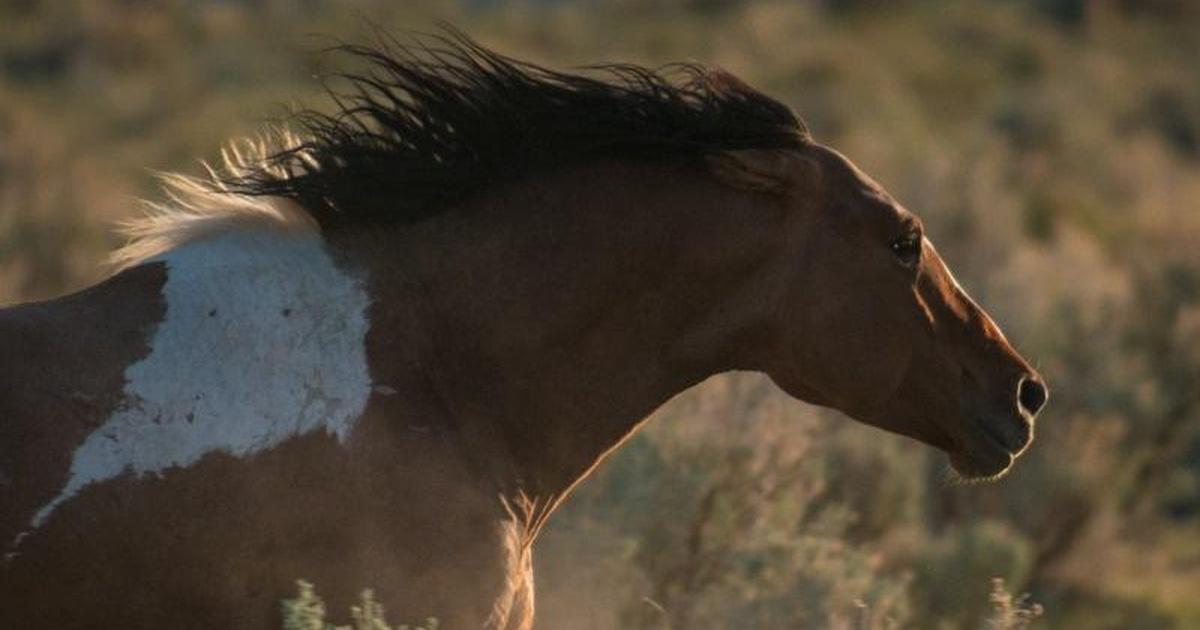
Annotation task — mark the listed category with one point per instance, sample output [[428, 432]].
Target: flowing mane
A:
[[438, 118]]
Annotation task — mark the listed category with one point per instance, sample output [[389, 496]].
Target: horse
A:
[[381, 346]]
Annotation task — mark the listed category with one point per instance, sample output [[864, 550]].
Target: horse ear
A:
[[757, 170]]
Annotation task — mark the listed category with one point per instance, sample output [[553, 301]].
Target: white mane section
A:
[[199, 207]]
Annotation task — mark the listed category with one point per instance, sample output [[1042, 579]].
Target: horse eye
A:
[[907, 249]]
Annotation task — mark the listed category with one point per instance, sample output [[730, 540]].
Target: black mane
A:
[[439, 118]]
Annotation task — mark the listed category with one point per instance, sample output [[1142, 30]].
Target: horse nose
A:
[[1031, 395]]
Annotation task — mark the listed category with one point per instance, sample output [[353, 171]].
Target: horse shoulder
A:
[[62, 363]]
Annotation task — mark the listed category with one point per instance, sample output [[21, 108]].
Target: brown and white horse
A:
[[380, 353]]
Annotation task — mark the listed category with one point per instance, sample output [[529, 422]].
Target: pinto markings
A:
[[263, 339]]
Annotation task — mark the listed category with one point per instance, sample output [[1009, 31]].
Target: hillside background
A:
[[1052, 146]]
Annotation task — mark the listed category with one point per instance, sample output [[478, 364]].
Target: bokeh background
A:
[[1052, 146]]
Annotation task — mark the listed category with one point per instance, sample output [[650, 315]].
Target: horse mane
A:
[[202, 206], [436, 118]]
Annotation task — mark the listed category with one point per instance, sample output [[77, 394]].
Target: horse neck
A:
[[554, 316]]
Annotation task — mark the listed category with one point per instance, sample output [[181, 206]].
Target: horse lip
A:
[[984, 453], [1013, 444], [988, 462]]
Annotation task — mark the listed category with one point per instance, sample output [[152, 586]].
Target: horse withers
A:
[[381, 351]]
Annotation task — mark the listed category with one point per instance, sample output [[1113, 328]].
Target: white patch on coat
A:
[[263, 340]]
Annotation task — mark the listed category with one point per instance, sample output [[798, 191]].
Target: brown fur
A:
[[518, 344]]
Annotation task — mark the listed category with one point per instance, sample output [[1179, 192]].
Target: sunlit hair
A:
[[434, 119], [437, 118]]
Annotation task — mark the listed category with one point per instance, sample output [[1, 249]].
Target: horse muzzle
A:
[[994, 440]]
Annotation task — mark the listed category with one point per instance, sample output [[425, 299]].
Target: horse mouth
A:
[[981, 465], [990, 448]]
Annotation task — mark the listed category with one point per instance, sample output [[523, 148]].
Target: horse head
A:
[[868, 319]]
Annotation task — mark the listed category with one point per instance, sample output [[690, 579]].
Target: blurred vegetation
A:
[[307, 611], [1052, 146]]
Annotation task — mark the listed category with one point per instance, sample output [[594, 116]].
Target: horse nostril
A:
[[1031, 395]]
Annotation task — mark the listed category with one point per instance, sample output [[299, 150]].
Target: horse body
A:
[[213, 437], [401, 405], [332, 446]]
